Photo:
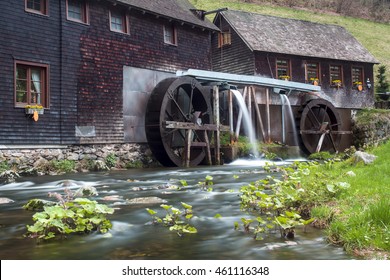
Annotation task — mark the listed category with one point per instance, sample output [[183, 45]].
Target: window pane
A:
[[21, 85], [283, 69], [35, 86], [312, 70], [117, 22], [37, 5], [21, 73], [75, 10], [335, 74], [357, 75], [30, 85], [169, 34]]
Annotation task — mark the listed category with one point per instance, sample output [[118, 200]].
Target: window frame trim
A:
[[46, 83], [362, 74], [174, 34], [341, 74], [86, 13], [289, 70], [221, 38], [318, 71], [46, 5], [126, 22]]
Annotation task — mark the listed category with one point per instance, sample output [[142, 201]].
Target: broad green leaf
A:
[[186, 206], [331, 188], [166, 207], [151, 211], [209, 178]]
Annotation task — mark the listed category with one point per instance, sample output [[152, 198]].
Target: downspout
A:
[[61, 70]]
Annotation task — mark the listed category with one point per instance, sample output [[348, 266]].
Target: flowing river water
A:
[[134, 237]]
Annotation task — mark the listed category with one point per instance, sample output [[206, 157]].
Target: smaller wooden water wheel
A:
[[176, 119], [320, 126]]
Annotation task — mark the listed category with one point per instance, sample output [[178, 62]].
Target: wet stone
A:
[[146, 200], [5, 200]]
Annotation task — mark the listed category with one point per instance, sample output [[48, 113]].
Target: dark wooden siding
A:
[[104, 53], [236, 58], [86, 68], [32, 38], [346, 96]]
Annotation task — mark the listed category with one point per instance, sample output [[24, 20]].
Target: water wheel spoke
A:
[[190, 108], [172, 97], [330, 136], [317, 124], [177, 100], [335, 124], [325, 114]]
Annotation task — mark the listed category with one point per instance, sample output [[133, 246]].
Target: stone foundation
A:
[[371, 128], [117, 155]]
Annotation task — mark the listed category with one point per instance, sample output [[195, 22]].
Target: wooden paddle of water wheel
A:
[[320, 126], [178, 122]]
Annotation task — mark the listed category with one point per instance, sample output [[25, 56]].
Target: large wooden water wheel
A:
[[320, 126], [177, 114]]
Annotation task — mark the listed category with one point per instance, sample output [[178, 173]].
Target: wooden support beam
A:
[[267, 110], [231, 120], [194, 126], [187, 148], [217, 139], [208, 150]]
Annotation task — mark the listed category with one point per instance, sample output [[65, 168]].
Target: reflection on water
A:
[[133, 236]]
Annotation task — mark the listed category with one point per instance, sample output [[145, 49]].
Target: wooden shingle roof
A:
[[180, 10], [296, 37]]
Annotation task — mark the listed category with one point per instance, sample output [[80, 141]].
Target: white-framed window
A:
[[77, 10], [37, 6], [170, 34], [119, 22]]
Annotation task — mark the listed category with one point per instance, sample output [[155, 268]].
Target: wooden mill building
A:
[[296, 50], [77, 59], [91, 65]]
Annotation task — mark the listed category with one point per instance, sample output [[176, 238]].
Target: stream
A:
[[133, 236]]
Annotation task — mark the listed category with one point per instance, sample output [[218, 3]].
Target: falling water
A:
[[248, 124], [289, 117]]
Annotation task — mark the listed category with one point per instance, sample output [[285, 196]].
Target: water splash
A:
[[289, 117], [248, 124]]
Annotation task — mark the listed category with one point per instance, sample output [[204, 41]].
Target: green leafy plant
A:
[[69, 215], [4, 166], [175, 219], [207, 183], [111, 160], [66, 166]]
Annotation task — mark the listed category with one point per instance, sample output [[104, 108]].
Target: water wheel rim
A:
[[175, 99], [320, 117]]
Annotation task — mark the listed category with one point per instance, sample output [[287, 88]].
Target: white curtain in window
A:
[[36, 78]]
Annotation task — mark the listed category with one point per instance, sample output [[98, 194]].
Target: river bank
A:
[[357, 215]]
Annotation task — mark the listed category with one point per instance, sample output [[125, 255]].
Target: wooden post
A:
[[231, 124], [208, 151], [217, 139], [268, 116], [187, 148], [258, 113]]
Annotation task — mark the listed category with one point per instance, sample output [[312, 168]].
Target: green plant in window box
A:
[[285, 77], [314, 81], [358, 85], [30, 109], [336, 83]]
